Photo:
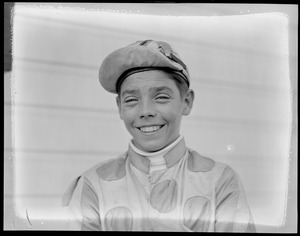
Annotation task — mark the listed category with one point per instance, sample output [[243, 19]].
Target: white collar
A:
[[157, 160]]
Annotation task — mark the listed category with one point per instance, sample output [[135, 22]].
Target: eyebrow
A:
[[153, 89], [162, 88], [129, 91]]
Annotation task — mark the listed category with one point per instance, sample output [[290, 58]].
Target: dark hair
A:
[[181, 85]]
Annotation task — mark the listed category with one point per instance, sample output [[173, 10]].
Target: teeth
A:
[[150, 129]]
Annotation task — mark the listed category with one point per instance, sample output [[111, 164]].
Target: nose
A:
[[147, 109]]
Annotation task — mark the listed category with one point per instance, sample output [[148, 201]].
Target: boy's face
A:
[[151, 107]]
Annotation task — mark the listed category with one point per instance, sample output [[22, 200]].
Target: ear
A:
[[188, 102], [119, 106]]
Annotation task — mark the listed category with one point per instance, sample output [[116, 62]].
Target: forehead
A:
[[149, 80]]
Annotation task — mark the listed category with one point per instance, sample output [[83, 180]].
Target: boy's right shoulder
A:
[[108, 170]]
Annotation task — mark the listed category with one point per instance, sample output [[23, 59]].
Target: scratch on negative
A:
[[28, 217], [13, 223]]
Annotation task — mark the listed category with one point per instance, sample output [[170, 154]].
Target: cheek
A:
[[128, 123], [127, 116], [173, 113], [173, 117]]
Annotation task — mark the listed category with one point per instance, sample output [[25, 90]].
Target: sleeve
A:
[[83, 206], [232, 210]]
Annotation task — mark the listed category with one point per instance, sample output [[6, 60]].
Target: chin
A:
[[151, 148]]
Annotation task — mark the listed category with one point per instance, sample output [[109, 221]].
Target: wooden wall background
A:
[[59, 121]]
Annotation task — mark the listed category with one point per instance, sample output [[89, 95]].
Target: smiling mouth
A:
[[150, 129]]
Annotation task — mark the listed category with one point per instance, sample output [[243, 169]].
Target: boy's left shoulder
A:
[[199, 163]]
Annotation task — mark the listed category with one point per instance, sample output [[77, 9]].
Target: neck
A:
[[157, 153], [157, 159]]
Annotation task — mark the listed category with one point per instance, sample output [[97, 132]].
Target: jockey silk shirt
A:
[[175, 189]]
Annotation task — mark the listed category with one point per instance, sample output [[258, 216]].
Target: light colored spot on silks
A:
[[197, 213], [112, 170], [118, 219], [163, 196]]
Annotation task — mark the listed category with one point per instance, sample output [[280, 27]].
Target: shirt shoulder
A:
[[108, 170], [199, 163]]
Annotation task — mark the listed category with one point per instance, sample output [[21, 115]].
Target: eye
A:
[[162, 97], [130, 100]]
